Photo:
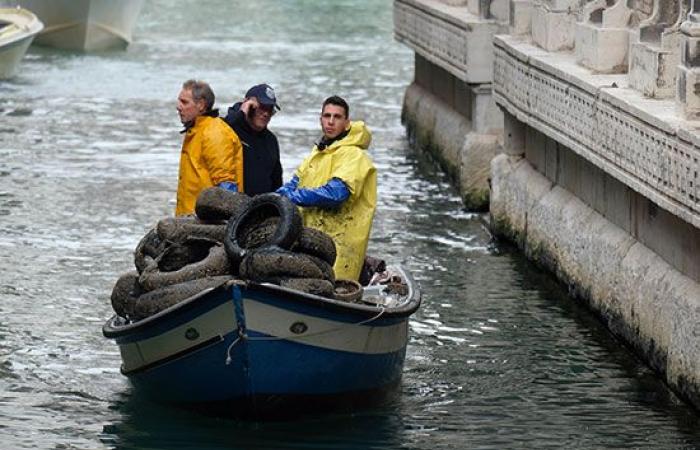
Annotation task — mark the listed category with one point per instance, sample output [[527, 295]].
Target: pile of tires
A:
[[232, 235]]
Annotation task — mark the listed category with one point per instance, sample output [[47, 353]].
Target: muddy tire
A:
[[125, 293], [325, 268], [347, 291], [317, 243], [258, 235], [150, 245], [179, 229], [314, 286], [219, 204], [177, 255], [275, 263], [155, 301], [265, 206], [216, 263]]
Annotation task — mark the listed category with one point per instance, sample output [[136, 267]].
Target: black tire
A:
[[216, 263], [347, 291], [325, 268], [219, 204], [310, 285], [179, 229], [177, 255], [263, 207], [270, 263], [258, 235], [150, 245], [317, 243], [155, 301], [124, 294]]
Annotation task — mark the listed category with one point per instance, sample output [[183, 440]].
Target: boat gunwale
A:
[[408, 307], [25, 26]]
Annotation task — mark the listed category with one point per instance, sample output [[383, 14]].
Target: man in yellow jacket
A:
[[336, 186], [211, 152]]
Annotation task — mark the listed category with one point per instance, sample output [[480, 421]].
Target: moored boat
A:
[[17, 30], [261, 348], [85, 25]]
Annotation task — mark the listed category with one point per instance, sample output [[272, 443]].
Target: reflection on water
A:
[[499, 357]]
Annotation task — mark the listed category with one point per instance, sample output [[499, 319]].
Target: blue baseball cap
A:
[[264, 93]]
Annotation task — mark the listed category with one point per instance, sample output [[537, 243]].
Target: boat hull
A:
[[85, 25], [261, 347], [15, 39]]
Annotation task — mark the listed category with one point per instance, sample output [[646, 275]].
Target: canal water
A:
[[499, 356]]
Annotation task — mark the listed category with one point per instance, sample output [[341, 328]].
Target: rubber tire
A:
[[317, 243], [215, 203], [177, 255], [179, 229], [216, 263], [310, 285], [262, 207], [124, 294], [270, 263], [326, 269], [150, 245], [157, 300]]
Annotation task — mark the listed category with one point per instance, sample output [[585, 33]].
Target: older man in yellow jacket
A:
[[336, 186], [211, 154]]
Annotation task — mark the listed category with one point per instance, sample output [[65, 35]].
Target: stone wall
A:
[[596, 175], [451, 91]]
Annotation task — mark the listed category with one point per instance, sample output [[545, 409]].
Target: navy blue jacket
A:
[[262, 170]]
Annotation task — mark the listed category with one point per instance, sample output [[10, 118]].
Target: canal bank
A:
[[594, 161]]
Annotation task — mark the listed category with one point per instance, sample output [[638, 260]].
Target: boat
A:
[[85, 25], [249, 348], [17, 30]]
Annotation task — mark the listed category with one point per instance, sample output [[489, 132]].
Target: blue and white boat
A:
[[256, 347]]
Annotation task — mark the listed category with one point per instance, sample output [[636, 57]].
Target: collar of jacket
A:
[[192, 123], [324, 143]]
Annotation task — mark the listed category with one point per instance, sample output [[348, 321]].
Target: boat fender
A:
[[216, 263], [261, 207]]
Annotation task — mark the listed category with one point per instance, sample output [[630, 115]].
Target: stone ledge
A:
[[640, 297], [448, 36], [641, 142]]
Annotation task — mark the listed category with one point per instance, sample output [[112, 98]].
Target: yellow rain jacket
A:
[[211, 154], [350, 225]]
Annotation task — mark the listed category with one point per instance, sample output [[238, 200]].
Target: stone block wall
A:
[[595, 153]]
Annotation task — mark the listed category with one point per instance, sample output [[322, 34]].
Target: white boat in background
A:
[[17, 30], [85, 25]]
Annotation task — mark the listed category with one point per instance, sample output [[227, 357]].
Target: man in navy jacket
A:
[[262, 170]]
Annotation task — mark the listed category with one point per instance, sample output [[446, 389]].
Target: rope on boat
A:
[[243, 336]]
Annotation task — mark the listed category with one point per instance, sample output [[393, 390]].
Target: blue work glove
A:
[[229, 186], [330, 195], [288, 187]]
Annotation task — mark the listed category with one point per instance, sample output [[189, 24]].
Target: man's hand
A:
[[250, 102]]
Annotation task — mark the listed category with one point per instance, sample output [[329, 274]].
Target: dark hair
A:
[[200, 91], [337, 101]]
